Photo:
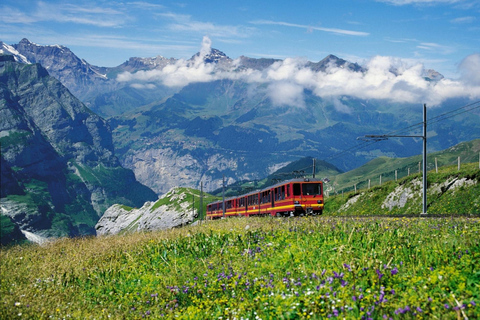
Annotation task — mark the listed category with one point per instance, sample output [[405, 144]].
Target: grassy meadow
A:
[[255, 268]]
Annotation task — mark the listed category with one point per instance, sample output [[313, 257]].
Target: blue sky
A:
[[437, 33]]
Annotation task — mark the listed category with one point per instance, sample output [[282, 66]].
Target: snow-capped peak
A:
[[6, 49]]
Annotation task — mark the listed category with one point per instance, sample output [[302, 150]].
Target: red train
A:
[[293, 197]]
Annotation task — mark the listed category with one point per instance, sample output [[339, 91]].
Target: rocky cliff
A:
[[173, 209], [58, 168]]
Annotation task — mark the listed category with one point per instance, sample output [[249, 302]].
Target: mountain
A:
[[81, 78], [334, 61], [207, 125], [58, 167], [95, 86], [228, 127]]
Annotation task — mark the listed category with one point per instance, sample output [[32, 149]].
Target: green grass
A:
[[270, 268], [441, 199]]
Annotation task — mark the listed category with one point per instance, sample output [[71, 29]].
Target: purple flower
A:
[[394, 271], [380, 275], [419, 310], [354, 298], [431, 268], [348, 267], [473, 303], [446, 306]]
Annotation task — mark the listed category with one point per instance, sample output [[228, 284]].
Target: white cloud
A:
[[66, 13], [185, 23], [385, 78], [470, 70], [469, 19], [424, 2], [311, 28], [286, 93]]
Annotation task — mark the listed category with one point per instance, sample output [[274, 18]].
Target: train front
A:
[[308, 197]]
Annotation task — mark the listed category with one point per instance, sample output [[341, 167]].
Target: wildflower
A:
[[348, 267], [380, 275], [446, 306], [394, 271], [473, 303]]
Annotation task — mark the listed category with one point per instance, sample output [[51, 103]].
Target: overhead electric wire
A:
[[430, 121]]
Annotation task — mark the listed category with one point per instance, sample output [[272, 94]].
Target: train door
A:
[[297, 190], [245, 200]]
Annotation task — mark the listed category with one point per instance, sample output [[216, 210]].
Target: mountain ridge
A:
[[58, 166]]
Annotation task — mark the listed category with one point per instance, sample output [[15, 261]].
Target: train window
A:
[[296, 189], [310, 189], [282, 193]]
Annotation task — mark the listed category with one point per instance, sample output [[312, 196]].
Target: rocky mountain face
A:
[[58, 167], [81, 78], [173, 209]]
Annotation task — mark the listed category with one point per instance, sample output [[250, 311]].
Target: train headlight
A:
[[296, 202], [319, 201]]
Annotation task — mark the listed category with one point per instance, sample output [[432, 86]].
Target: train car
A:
[[289, 198]]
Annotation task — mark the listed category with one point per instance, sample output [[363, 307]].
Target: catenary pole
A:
[[223, 195], [424, 138], [424, 159]]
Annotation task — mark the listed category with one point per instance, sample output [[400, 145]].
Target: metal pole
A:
[[424, 159], [458, 163], [223, 195], [314, 162], [436, 166], [201, 201]]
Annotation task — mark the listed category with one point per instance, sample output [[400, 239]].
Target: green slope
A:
[[450, 191], [384, 166]]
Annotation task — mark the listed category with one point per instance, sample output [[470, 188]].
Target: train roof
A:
[[270, 187]]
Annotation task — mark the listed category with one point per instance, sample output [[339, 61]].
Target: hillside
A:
[[59, 171], [449, 191], [467, 151]]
